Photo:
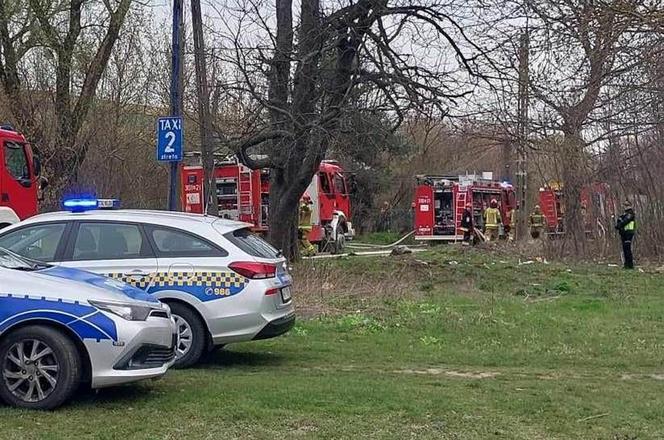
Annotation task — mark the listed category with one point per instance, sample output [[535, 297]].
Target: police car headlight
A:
[[130, 312]]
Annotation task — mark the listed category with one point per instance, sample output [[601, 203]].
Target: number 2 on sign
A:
[[170, 136]]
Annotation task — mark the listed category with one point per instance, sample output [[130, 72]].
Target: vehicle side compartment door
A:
[[424, 210]]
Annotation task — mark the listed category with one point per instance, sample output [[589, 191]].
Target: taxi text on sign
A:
[[169, 139]]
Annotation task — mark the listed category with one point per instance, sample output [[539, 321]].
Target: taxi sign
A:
[[169, 139]]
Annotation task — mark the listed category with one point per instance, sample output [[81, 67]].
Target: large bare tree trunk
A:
[[209, 182], [574, 178], [311, 84]]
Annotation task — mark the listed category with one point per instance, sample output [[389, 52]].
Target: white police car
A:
[[61, 327], [222, 283]]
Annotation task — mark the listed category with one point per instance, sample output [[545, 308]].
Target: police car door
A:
[[116, 249], [192, 265]]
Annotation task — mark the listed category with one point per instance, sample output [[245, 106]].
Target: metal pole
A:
[[176, 93], [522, 132]]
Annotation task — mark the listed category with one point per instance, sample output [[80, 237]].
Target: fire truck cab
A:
[[19, 177], [440, 201], [243, 194]]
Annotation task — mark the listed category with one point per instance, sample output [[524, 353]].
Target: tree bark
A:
[[574, 176]]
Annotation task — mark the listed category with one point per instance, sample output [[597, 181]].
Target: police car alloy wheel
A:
[[184, 336], [191, 336], [41, 368]]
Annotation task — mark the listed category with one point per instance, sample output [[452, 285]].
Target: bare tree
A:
[[384, 57], [63, 29], [581, 51]]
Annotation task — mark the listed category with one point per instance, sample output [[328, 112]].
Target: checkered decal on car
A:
[[204, 285], [141, 283]]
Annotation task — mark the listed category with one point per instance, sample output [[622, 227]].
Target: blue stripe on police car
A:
[[86, 321]]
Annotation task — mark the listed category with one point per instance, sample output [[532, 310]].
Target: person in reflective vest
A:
[[492, 221], [306, 248], [536, 222], [626, 226], [467, 224]]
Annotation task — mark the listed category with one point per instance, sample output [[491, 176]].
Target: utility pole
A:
[[176, 92], [210, 203], [521, 173]]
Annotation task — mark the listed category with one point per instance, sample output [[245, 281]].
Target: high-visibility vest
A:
[[305, 216], [491, 218], [630, 226], [536, 220]]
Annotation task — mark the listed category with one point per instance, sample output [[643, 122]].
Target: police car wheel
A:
[[40, 368], [191, 336]]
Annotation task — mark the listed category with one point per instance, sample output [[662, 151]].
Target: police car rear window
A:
[[252, 244]]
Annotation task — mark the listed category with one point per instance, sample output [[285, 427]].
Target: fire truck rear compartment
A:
[[444, 212]]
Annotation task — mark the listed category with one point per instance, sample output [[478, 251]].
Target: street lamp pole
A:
[[176, 92]]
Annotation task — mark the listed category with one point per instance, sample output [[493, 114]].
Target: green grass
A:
[[379, 237], [439, 345]]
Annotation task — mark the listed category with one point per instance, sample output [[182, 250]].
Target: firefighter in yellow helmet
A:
[[306, 248], [536, 222], [492, 221]]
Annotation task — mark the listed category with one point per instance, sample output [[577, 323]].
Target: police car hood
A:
[[69, 283]]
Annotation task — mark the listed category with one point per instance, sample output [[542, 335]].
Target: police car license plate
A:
[[286, 294]]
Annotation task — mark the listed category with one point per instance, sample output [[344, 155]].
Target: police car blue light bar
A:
[[88, 204], [80, 205]]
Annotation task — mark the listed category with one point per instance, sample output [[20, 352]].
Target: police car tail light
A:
[[254, 271]]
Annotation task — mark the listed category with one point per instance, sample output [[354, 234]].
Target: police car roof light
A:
[[80, 205], [108, 203]]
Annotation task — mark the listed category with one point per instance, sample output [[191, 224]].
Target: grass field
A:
[[447, 344]]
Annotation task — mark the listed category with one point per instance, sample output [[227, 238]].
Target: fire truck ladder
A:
[[459, 207], [245, 194]]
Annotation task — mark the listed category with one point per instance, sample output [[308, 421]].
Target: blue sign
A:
[[169, 139]]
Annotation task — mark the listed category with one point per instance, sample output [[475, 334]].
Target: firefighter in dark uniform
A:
[[626, 226], [467, 224]]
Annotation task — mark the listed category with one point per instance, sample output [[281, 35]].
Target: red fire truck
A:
[[243, 194], [440, 201], [19, 177], [596, 204]]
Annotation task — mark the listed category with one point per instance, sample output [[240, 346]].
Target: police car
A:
[[223, 283], [60, 327]]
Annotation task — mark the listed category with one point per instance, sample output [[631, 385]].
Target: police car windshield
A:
[[10, 260]]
